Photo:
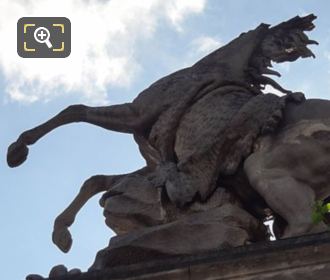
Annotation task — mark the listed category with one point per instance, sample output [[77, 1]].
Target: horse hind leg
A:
[[291, 199]]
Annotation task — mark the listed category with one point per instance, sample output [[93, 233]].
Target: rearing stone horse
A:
[[201, 123]]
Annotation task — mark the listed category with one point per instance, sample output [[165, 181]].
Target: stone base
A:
[[306, 257]]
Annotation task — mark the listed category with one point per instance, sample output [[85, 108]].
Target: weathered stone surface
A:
[[132, 204], [289, 170], [34, 277], [306, 258], [221, 227], [74, 271], [194, 127], [58, 271]]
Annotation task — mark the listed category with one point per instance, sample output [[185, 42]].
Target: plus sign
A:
[[41, 34]]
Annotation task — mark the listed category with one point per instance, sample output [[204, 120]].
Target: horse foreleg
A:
[[121, 118], [94, 185]]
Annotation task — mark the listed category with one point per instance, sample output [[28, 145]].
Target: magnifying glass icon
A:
[[41, 35]]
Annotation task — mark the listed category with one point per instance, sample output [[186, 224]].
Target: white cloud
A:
[[205, 44], [105, 35], [178, 10]]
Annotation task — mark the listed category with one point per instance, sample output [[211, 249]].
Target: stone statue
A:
[[218, 153]]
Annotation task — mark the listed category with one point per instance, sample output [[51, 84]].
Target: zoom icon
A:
[[48, 37]]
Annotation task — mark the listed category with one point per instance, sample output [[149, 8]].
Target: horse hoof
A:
[[17, 154], [62, 239]]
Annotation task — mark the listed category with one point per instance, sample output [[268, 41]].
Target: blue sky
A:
[[128, 47]]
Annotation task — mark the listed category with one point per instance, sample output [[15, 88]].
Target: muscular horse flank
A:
[[204, 124]]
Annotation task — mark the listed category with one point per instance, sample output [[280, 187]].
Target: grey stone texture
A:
[[303, 258], [218, 152]]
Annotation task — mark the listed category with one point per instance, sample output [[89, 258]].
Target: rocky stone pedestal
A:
[[306, 257]]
